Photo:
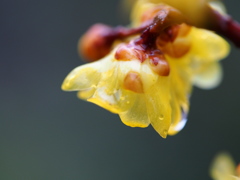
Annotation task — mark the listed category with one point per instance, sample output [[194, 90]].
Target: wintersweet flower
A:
[[224, 168], [147, 78], [196, 11]]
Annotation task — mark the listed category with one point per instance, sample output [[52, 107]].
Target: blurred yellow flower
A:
[[152, 86], [224, 168], [194, 10]]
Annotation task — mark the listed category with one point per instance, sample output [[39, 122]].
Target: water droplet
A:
[[161, 117]]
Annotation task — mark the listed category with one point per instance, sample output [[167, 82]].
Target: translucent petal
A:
[[104, 95], [118, 102], [137, 115], [181, 80], [109, 93], [82, 77], [209, 77], [124, 67], [86, 94], [87, 76], [158, 106], [207, 45], [149, 78]]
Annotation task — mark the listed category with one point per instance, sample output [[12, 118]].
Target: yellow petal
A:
[[124, 67], [86, 94], [82, 77], [181, 82], [117, 102], [209, 77], [137, 115], [88, 75], [207, 45], [193, 9], [149, 77], [181, 88], [109, 92], [158, 106]]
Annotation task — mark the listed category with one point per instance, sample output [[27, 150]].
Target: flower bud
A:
[[96, 42]]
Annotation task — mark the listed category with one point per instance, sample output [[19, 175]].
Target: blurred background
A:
[[48, 134]]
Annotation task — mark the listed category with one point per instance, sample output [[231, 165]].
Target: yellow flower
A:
[[152, 86], [224, 168], [194, 10]]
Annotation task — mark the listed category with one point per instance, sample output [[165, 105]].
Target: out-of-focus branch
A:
[[98, 40], [165, 18], [225, 26]]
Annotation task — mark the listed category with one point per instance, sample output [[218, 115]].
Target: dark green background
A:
[[47, 134]]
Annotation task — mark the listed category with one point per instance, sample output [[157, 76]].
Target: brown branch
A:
[[224, 25], [121, 32], [166, 18], [97, 42]]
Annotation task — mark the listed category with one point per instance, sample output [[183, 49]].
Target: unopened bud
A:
[[96, 42]]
